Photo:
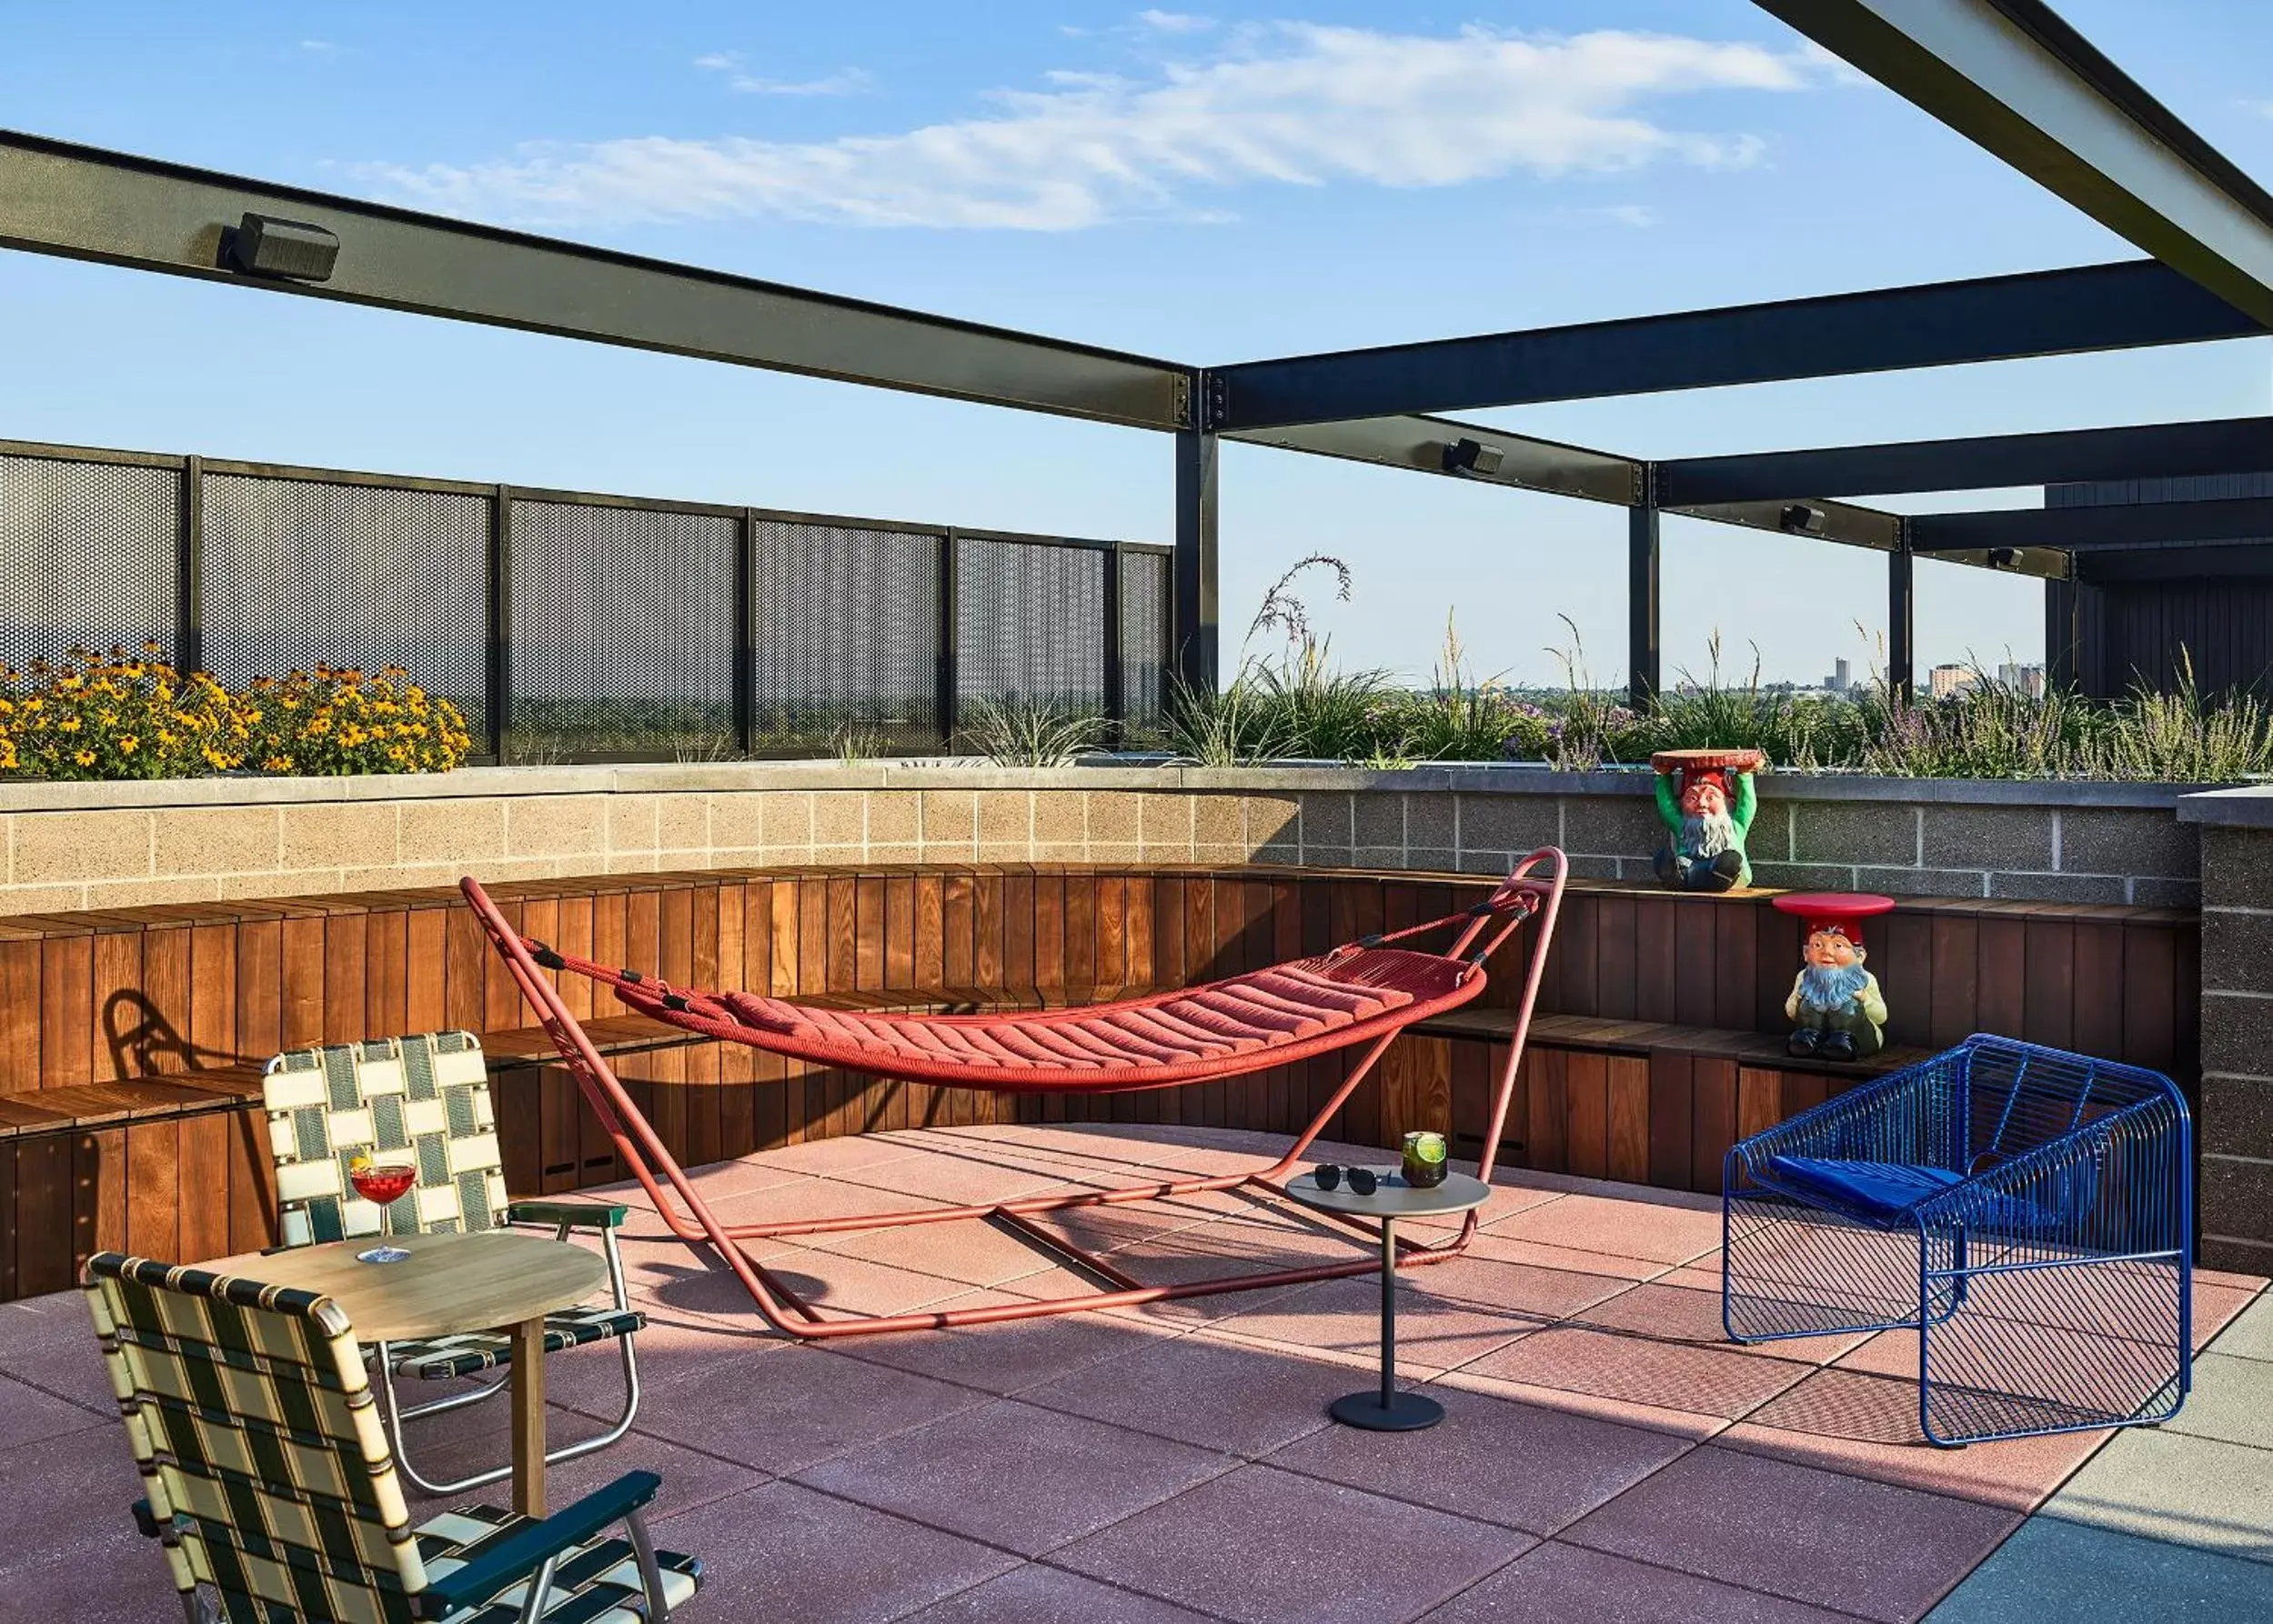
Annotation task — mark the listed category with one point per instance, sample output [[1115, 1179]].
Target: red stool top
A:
[[1842, 911]]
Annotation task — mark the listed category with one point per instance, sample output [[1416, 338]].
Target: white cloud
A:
[[1175, 22], [1292, 105], [851, 81], [2263, 109], [1639, 215], [319, 47]]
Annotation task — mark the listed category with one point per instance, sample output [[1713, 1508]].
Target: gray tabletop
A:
[[1394, 1198]]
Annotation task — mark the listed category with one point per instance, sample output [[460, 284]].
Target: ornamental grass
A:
[[97, 717]]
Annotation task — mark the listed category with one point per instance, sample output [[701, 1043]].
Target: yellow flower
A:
[[84, 758], [275, 764], [127, 742]]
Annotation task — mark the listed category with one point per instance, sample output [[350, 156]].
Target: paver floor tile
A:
[[1016, 1475], [1866, 1425], [2062, 1571], [1563, 1584], [1259, 1546], [1221, 1395], [1514, 1464], [1668, 1234], [786, 1551], [1038, 1594], [1672, 1313], [1010, 1355], [1676, 1376], [48, 1342], [782, 1411], [28, 1415], [2232, 1399], [2162, 1484], [64, 1498], [1818, 1536], [2250, 1335], [1342, 1318], [690, 1478]]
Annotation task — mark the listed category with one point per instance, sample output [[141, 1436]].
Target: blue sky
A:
[[1208, 186]]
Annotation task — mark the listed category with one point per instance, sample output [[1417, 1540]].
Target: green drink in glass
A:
[[1424, 1160]]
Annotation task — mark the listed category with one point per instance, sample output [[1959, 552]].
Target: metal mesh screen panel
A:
[[845, 636], [87, 555], [1030, 623], [1145, 584], [298, 572], [623, 632]]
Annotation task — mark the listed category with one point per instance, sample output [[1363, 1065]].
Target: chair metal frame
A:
[[2050, 1280]]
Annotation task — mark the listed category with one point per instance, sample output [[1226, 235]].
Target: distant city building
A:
[[1841, 678], [1945, 682], [2022, 680]]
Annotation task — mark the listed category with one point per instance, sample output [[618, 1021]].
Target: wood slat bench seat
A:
[[1594, 1034], [83, 1106]]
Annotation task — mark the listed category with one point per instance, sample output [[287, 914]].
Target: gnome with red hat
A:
[[1706, 800], [1836, 1010]]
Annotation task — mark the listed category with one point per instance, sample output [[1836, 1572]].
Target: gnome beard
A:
[[1707, 833], [1830, 988]]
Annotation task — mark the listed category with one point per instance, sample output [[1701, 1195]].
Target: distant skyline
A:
[[1208, 185]]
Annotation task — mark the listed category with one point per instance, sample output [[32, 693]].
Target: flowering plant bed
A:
[[96, 716]]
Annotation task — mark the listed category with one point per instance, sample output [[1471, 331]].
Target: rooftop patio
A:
[[1608, 1455]]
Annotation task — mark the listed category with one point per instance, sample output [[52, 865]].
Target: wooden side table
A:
[[1387, 1410], [494, 1280]]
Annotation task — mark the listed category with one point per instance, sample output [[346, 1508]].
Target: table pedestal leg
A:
[[1387, 1411], [529, 1418]]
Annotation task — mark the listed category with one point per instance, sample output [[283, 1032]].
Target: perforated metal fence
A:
[[569, 626]]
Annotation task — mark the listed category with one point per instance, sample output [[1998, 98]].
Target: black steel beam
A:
[[83, 203], [2013, 76], [2123, 306], [1422, 443], [1644, 630], [2143, 565], [1841, 522], [2092, 528], [2146, 451], [1901, 622]]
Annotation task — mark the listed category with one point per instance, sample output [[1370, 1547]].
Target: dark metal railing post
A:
[[950, 641], [498, 696], [1194, 631], [190, 570], [1901, 617], [746, 633], [1115, 651], [1643, 628]]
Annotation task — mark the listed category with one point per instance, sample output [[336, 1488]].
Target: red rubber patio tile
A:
[[1871, 1549], [48, 1342], [1867, 1425], [784, 1410], [1040, 1595], [1671, 1313], [1666, 1233], [1008, 1356], [1666, 1376], [1244, 1400], [1341, 1320], [1560, 1584], [28, 1415], [1015, 1475], [1518, 1465], [786, 1551], [1260, 1546]]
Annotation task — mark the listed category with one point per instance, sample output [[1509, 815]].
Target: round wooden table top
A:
[[450, 1283], [1742, 759]]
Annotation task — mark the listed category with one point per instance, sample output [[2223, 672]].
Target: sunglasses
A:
[[1329, 1177]]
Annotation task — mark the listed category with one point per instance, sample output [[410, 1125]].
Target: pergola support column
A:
[[1196, 630], [1644, 650], [1901, 619]]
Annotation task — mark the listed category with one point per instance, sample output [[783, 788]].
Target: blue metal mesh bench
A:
[[2029, 1210]]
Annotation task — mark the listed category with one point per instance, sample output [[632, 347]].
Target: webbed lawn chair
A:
[[268, 1476], [427, 1097], [2029, 1210]]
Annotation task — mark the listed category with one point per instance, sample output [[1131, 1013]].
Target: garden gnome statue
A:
[[1836, 1010], [1706, 799]]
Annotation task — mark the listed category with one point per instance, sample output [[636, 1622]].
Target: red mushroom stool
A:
[[1836, 1009]]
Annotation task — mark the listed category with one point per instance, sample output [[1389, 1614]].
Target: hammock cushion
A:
[[1241, 1024]]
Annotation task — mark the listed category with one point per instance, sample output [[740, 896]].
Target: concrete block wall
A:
[[2235, 1123], [65, 847]]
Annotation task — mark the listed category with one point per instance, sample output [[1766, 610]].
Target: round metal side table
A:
[[1389, 1410]]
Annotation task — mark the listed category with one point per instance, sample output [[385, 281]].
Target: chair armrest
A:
[[521, 1554], [576, 1215]]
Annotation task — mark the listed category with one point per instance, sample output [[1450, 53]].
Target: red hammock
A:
[[1361, 994]]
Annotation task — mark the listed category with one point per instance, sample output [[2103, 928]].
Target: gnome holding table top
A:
[[1836, 1010], [1706, 799]]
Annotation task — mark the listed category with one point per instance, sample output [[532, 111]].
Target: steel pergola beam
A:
[[2016, 79], [1422, 443], [83, 203], [2144, 566], [2148, 451], [2123, 306], [2091, 528]]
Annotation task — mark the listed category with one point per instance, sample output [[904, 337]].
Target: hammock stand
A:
[[1364, 993]]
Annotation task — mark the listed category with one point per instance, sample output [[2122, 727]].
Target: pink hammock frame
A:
[[1532, 890]]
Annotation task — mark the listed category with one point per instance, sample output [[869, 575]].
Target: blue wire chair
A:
[[2030, 1211]]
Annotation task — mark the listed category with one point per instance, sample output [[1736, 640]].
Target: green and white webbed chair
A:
[[426, 1098], [267, 1476]]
